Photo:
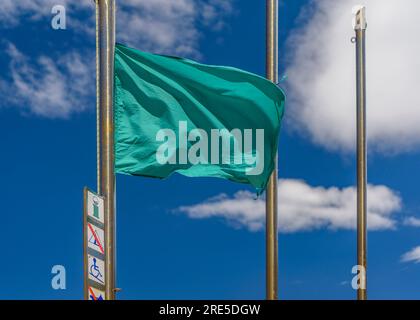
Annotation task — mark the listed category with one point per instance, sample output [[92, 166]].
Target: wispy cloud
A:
[[214, 12], [48, 87], [170, 26], [13, 13], [159, 25], [412, 256], [321, 74], [412, 222], [302, 208], [162, 26], [56, 88]]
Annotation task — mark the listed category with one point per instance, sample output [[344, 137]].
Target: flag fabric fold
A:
[[177, 115]]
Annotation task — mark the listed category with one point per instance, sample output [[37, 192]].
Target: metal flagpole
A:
[[105, 44], [360, 29], [271, 196]]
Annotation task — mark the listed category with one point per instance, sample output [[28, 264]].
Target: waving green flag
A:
[[177, 115]]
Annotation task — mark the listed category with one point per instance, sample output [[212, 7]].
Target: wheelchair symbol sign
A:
[[96, 269]]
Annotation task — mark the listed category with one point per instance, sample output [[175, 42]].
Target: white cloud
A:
[[169, 26], [412, 222], [48, 87], [161, 26], [302, 207], [12, 12], [158, 25], [412, 255], [321, 75], [58, 88]]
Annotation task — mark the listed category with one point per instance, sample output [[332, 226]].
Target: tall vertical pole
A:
[[360, 29], [271, 196], [105, 43]]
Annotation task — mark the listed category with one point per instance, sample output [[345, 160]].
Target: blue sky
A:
[[174, 239]]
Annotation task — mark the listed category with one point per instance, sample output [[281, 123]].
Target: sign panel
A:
[[96, 269], [93, 246], [95, 294], [95, 207], [95, 238]]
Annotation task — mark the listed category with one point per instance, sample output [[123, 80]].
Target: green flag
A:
[[177, 115]]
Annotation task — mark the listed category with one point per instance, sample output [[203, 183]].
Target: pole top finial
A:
[[359, 19]]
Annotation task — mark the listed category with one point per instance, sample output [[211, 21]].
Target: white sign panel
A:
[[96, 269], [96, 294], [95, 207], [95, 238]]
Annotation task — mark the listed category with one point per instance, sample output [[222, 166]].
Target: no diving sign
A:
[[95, 238]]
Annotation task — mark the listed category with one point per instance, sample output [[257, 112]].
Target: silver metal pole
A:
[[360, 29], [105, 44], [271, 195]]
